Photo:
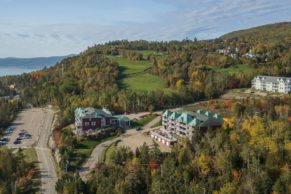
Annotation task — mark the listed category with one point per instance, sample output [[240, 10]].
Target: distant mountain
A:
[[271, 32], [28, 62]]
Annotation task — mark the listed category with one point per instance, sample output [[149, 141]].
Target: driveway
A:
[[131, 138], [47, 164]]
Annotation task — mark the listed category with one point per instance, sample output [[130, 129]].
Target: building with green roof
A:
[[90, 119], [183, 123]]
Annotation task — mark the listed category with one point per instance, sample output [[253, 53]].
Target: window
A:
[[87, 123], [93, 123]]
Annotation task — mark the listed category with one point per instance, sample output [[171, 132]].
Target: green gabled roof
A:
[[200, 111], [185, 118], [167, 113], [218, 117], [174, 115], [195, 122], [208, 114]]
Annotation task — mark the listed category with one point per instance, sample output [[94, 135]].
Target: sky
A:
[[34, 28]]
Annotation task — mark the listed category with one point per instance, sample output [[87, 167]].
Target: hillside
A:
[[270, 32], [132, 76]]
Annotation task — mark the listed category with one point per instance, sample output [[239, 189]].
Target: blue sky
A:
[[31, 28]]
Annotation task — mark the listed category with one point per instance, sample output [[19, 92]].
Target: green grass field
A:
[[133, 75], [85, 148], [110, 151], [143, 122], [157, 124], [145, 82], [236, 69], [30, 155]]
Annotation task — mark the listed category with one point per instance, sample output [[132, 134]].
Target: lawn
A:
[[133, 75], [109, 153], [159, 123], [88, 144], [144, 121], [129, 67], [85, 147], [30, 155], [145, 82], [236, 69]]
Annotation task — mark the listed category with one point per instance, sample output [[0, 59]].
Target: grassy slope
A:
[[85, 147], [30, 155], [110, 151], [144, 121], [133, 75]]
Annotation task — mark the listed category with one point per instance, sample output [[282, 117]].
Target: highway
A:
[[46, 162]]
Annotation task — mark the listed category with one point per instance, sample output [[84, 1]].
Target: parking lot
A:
[[25, 130]]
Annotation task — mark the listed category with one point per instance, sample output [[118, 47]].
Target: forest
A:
[[250, 153], [5, 90], [8, 112], [16, 173]]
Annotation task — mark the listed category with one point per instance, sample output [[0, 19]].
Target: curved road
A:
[[97, 153], [46, 162]]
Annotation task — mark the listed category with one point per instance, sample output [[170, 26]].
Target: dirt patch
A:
[[138, 139]]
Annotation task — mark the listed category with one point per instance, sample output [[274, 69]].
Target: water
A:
[[16, 66], [5, 70]]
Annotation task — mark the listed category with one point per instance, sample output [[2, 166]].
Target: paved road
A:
[[47, 165], [98, 151]]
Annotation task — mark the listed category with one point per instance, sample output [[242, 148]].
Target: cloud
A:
[[202, 18]]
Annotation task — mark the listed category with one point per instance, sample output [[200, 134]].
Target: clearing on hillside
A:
[[134, 75]]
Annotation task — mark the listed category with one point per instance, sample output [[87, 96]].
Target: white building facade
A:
[[182, 123], [272, 84]]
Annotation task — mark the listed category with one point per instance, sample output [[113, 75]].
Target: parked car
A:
[[8, 131], [27, 136], [17, 141], [12, 128], [3, 142], [22, 134], [23, 131], [4, 139]]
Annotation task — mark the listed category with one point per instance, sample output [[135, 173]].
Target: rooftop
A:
[[91, 112], [193, 118], [272, 78]]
